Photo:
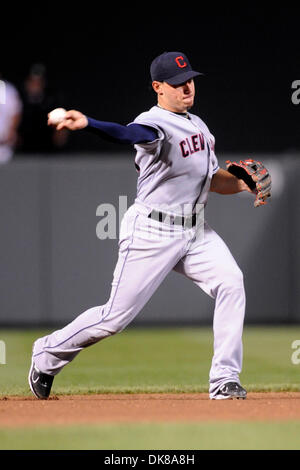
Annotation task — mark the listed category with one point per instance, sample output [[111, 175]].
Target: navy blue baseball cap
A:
[[173, 68]]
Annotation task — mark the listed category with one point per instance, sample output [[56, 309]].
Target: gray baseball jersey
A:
[[177, 168]]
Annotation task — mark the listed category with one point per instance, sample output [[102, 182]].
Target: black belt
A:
[[187, 222]]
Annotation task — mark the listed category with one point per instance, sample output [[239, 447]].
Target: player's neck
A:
[[182, 113]]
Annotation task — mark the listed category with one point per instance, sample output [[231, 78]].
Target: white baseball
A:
[[57, 115]]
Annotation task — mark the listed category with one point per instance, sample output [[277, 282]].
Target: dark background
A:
[[98, 61], [99, 57]]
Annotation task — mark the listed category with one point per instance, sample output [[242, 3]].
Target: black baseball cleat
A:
[[40, 383], [231, 390]]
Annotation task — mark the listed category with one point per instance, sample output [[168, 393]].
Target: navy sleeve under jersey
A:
[[131, 134]]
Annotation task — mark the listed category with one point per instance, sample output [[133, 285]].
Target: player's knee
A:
[[238, 277], [233, 280]]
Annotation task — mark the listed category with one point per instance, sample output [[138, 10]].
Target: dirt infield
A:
[[125, 408]]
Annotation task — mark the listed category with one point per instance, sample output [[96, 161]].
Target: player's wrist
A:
[[243, 186], [85, 122], [90, 122]]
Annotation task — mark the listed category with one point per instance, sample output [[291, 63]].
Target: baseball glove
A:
[[255, 175]]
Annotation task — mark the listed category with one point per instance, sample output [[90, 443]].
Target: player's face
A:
[[175, 98]]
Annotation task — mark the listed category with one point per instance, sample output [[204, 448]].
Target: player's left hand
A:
[[244, 187], [253, 177]]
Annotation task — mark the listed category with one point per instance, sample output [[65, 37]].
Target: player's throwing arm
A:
[[62, 119]]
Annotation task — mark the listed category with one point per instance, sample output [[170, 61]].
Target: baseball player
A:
[[11, 109], [177, 167]]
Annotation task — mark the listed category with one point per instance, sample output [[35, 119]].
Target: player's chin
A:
[[188, 101]]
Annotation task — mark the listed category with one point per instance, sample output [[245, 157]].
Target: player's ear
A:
[[157, 87]]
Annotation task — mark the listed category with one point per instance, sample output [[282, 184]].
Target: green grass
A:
[[156, 360], [207, 436]]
